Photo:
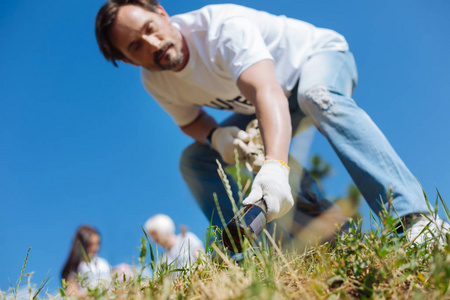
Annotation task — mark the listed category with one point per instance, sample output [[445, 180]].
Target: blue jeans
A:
[[322, 97]]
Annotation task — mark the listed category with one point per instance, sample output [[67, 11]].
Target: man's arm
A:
[[200, 127], [260, 86]]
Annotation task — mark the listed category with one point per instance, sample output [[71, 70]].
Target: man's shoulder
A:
[[211, 14], [214, 8], [192, 237]]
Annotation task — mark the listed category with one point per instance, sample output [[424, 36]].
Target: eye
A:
[[137, 46], [149, 29]]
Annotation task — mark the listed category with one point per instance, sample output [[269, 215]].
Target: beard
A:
[[171, 62]]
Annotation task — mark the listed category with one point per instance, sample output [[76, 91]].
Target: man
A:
[[284, 71], [179, 250]]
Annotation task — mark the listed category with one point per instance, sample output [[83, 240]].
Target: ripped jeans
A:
[[323, 99]]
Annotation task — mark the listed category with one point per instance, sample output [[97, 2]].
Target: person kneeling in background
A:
[[179, 250], [94, 270]]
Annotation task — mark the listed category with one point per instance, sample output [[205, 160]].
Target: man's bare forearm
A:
[[275, 125], [200, 127], [260, 86]]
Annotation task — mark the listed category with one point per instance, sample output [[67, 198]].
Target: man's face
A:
[[147, 38]]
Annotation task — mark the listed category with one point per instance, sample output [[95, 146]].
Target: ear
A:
[[127, 61], [162, 12]]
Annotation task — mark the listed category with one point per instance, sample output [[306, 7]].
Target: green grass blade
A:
[[422, 231], [446, 210], [21, 274], [143, 253], [427, 201], [436, 207], [150, 249], [399, 220], [238, 176], [375, 221], [208, 233], [44, 282], [225, 228], [83, 251], [226, 183], [227, 186]]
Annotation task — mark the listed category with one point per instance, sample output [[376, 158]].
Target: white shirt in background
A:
[[96, 272], [184, 252]]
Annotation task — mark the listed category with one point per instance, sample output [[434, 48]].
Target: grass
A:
[[378, 264]]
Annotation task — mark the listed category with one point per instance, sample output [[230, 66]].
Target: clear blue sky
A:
[[82, 142]]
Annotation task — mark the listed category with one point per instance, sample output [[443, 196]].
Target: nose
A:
[[152, 40]]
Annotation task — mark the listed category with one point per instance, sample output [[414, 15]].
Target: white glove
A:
[[225, 139], [272, 185]]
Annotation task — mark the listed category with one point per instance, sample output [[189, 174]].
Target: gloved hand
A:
[[225, 139], [272, 185]]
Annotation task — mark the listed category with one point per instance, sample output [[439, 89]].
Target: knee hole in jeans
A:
[[321, 96]]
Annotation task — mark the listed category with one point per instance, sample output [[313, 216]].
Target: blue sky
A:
[[82, 142]]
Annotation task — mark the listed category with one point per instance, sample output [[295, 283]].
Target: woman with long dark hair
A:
[[83, 261]]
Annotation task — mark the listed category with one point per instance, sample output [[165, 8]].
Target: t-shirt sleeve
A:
[[239, 46], [182, 114]]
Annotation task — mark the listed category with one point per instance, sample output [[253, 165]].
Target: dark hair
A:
[[80, 243], [106, 17]]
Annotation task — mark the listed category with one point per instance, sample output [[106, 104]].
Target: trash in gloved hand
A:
[[254, 156]]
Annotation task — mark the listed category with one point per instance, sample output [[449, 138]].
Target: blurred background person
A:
[[84, 261], [181, 250]]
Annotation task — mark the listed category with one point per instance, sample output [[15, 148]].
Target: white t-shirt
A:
[[97, 271], [224, 40], [184, 251]]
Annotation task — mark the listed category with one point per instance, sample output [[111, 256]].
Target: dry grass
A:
[[376, 265], [379, 264]]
